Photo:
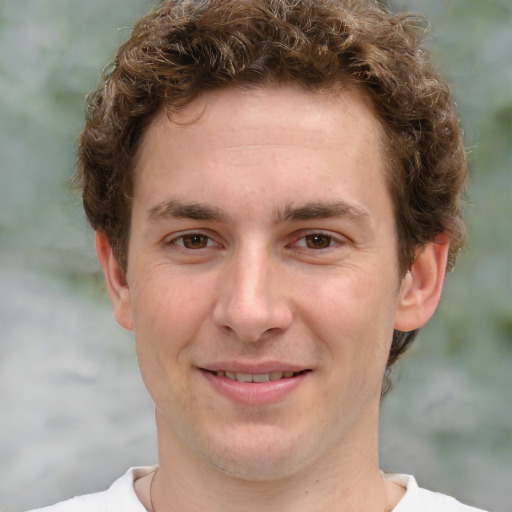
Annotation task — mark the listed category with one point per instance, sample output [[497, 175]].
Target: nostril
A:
[[270, 332], [250, 335]]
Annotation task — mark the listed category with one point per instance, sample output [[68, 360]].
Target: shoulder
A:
[[119, 497], [89, 502], [417, 499]]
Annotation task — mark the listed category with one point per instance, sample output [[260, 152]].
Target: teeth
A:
[[264, 377], [258, 377]]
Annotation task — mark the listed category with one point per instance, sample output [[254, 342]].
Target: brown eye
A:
[[318, 241], [194, 241]]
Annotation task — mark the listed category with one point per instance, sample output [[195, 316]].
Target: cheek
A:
[[353, 315], [167, 312], [163, 326]]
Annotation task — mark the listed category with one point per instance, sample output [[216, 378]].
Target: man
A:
[[275, 189]]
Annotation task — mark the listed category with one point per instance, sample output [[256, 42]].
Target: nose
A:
[[252, 303]]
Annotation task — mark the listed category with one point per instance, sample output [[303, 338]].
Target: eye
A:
[[317, 241], [193, 241]]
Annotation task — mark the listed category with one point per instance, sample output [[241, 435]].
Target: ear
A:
[[421, 287], [115, 280]]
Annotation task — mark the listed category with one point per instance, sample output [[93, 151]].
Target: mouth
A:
[[267, 384], [257, 378]]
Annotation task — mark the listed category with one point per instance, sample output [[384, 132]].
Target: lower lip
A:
[[255, 393]]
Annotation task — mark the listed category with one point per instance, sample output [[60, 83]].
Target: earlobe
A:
[[421, 287], [115, 279]]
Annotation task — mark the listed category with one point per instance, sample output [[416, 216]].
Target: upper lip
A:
[[253, 368]]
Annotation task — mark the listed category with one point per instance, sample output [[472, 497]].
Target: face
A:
[[262, 281]]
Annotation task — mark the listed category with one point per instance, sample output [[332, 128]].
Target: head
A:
[[186, 48]]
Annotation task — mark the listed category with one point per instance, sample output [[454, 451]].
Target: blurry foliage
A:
[[470, 41], [49, 65], [52, 53]]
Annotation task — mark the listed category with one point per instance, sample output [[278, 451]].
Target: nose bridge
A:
[[251, 272], [251, 304]]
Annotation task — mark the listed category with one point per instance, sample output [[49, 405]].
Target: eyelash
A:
[[319, 236], [191, 235], [181, 241]]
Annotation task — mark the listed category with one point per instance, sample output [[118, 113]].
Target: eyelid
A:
[[336, 238], [172, 238], [213, 239]]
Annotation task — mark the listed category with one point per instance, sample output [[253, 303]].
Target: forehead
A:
[[294, 140]]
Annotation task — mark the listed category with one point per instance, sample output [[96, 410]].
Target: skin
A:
[[262, 235]]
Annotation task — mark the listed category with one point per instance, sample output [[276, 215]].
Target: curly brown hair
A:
[[186, 47]]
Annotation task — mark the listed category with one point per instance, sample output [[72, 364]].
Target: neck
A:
[[348, 480]]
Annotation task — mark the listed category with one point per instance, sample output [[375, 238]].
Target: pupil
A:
[[195, 241], [318, 241]]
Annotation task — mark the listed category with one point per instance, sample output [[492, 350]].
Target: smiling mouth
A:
[[257, 377]]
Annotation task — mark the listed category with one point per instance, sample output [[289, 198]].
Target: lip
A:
[[262, 367], [254, 393]]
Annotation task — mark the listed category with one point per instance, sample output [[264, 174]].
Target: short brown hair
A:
[[186, 47]]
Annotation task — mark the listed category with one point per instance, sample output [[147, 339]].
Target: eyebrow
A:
[[323, 210], [174, 209], [177, 210]]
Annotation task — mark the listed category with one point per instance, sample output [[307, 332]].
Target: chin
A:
[[259, 457]]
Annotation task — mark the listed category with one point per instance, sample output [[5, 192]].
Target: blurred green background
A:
[[73, 413]]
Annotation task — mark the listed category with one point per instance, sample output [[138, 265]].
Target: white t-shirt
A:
[[121, 497]]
